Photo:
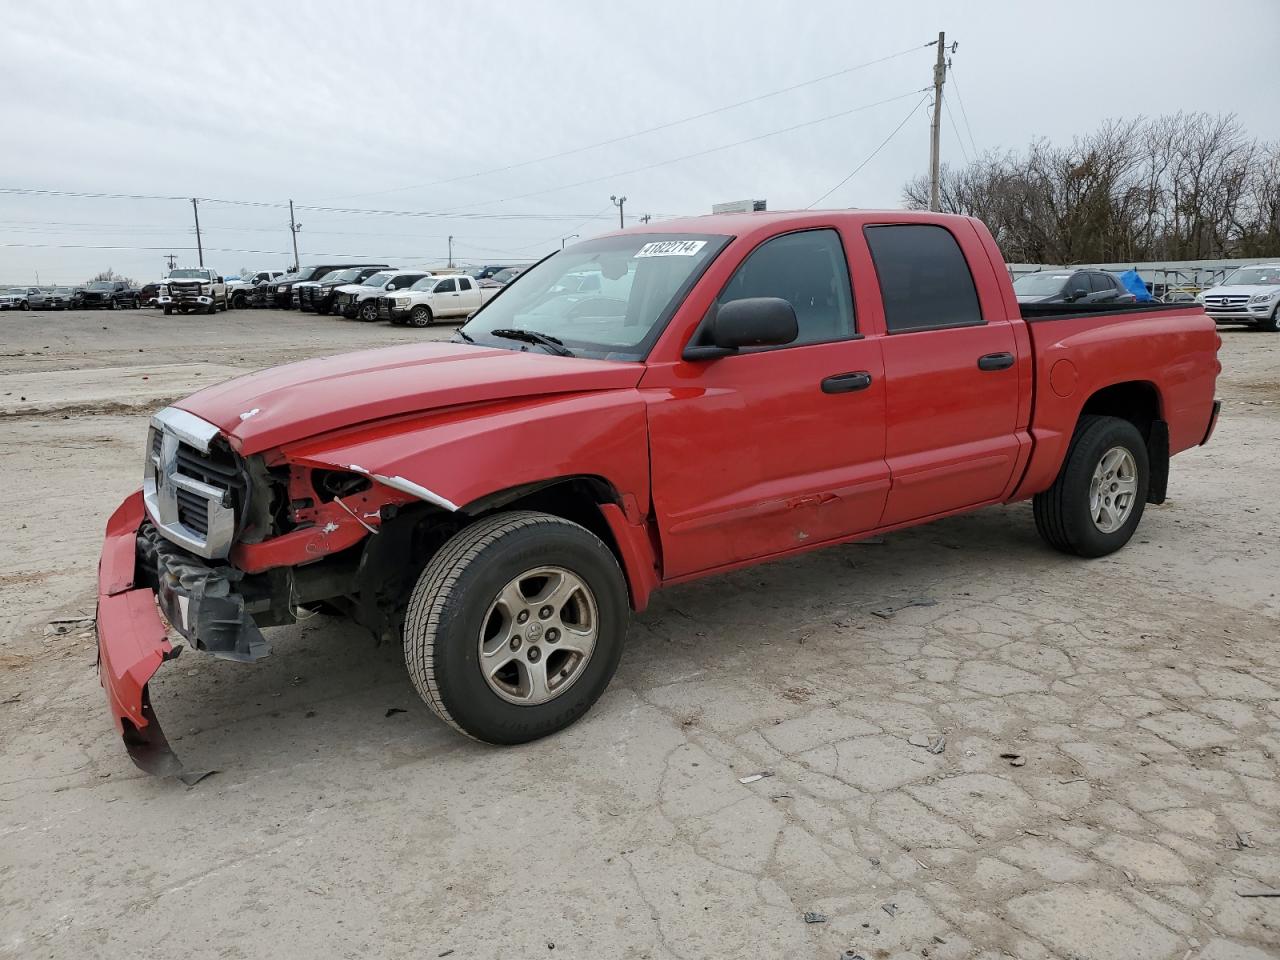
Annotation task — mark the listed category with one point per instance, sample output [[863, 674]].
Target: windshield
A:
[[426, 283], [1253, 276], [341, 276], [1040, 284], [100, 285], [378, 280], [608, 298], [189, 275]]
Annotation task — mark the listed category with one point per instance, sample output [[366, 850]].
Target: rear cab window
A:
[[924, 278]]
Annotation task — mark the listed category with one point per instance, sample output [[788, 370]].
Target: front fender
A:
[[457, 456]]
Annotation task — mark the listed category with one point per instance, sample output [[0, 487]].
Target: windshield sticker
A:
[[671, 248]]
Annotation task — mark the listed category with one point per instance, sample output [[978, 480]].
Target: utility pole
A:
[[173, 260], [935, 159], [195, 208], [618, 202], [450, 250], [294, 227], [571, 236]]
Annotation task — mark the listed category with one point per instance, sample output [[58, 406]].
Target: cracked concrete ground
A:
[[1107, 788]]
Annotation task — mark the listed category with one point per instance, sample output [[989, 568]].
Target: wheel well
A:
[[1139, 402], [573, 498], [1136, 401]]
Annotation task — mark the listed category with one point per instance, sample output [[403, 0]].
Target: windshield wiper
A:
[[464, 335], [554, 344]]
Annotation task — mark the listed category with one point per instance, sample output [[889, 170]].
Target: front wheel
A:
[[168, 311], [239, 301], [1272, 323], [1095, 504], [516, 626], [368, 311], [421, 316]]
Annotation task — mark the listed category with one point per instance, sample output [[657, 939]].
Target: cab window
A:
[[807, 269]]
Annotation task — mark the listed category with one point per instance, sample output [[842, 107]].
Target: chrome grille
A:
[[192, 486], [1235, 302]]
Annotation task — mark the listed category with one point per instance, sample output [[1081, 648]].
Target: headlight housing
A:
[[402, 301], [1261, 297], [280, 289], [1199, 298]]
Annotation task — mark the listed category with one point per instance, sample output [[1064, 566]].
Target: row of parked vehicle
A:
[[107, 294], [400, 295]]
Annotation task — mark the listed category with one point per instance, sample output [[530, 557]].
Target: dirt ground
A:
[[1107, 788]]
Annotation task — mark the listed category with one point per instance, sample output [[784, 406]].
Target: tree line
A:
[[1186, 186]]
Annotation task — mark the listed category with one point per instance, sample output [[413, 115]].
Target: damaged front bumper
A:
[[139, 576]]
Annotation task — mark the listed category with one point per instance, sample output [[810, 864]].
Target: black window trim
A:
[[983, 322], [750, 351]]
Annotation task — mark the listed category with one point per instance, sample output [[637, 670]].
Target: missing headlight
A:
[[338, 483]]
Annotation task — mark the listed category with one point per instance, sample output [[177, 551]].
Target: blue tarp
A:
[[1133, 283]]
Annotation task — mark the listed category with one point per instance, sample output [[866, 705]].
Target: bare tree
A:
[[1185, 186]]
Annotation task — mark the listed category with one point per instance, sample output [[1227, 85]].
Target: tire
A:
[[239, 301], [115, 304], [322, 309], [1064, 513], [368, 311], [168, 311], [212, 308], [458, 598], [421, 316], [1271, 324], [136, 303]]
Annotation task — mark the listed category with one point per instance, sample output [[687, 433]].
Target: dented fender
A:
[[455, 457]]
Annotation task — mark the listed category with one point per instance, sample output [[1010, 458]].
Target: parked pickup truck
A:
[[435, 298], [106, 295], [739, 388], [193, 288]]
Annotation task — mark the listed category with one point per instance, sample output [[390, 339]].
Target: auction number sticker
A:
[[671, 248]]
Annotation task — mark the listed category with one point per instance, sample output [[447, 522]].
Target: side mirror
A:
[[1079, 293], [219, 280], [752, 322]]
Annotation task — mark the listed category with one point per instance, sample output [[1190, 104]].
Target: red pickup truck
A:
[[641, 409]]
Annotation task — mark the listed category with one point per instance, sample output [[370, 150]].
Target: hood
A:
[[303, 400], [1241, 290], [188, 282], [354, 288]]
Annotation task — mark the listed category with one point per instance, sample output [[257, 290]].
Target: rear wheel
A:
[[1096, 502], [420, 316], [516, 626]]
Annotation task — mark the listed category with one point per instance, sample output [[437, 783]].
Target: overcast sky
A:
[[398, 109]]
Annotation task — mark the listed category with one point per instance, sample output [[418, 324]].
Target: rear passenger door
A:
[[952, 371], [1101, 288], [468, 296]]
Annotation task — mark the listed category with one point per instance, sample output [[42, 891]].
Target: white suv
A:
[[360, 299], [1247, 295]]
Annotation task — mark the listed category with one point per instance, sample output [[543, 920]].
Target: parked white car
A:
[[359, 299], [1247, 295], [435, 298], [238, 288]]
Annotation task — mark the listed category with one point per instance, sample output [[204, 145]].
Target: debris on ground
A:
[[813, 917], [1015, 759], [933, 743], [1242, 841], [1265, 892], [753, 777], [851, 955], [887, 612], [192, 777], [392, 711], [890, 908]]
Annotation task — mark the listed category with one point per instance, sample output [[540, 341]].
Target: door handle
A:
[[995, 361], [846, 382]]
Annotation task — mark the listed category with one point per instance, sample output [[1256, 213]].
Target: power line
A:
[[265, 253], [959, 139], [640, 133], [872, 155], [964, 114], [689, 156]]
